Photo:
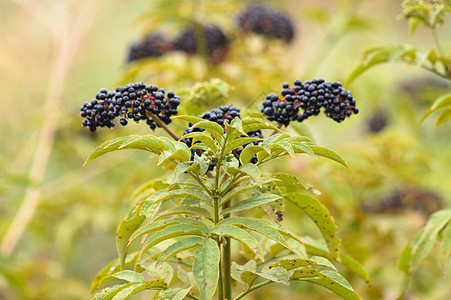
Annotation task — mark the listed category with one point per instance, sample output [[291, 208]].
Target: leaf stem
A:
[[279, 125], [164, 126], [250, 289], [226, 262]]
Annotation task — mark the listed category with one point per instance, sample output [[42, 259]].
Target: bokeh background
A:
[[58, 219]]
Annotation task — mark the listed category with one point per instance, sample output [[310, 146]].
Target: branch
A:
[[164, 126]]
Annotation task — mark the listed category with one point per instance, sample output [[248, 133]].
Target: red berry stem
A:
[[163, 125]]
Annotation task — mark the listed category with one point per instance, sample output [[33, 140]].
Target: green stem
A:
[[250, 289], [226, 262], [437, 41]]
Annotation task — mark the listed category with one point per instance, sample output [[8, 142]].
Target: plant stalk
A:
[[226, 261], [164, 126]]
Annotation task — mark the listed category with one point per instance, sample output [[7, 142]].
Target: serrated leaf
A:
[[249, 151], [234, 130], [328, 279], [190, 119], [136, 288], [124, 231], [425, 239], [325, 152], [287, 147], [163, 271], [111, 268], [439, 103], [184, 276], [444, 116], [257, 226], [204, 138], [151, 227], [288, 183], [206, 268], [109, 292], [179, 170], [251, 202], [299, 147], [253, 171], [240, 235], [239, 142], [237, 191], [283, 231], [213, 128], [171, 232], [181, 154], [127, 275], [322, 218], [148, 142], [251, 124], [186, 210], [354, 266], [294, 263], [173, 294], [237, 269], [179, 246]]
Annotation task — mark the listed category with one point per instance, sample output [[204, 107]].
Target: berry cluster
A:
[[266, 21], [134, 101], [215, 41], [155, 44], [306, 99], [221, 115]]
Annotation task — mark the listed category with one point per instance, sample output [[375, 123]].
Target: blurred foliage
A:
[[71, 234]]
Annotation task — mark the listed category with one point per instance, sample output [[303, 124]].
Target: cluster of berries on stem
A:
[[137, 102], [155, 44], [266, 21], [304, 100], [220, 115]]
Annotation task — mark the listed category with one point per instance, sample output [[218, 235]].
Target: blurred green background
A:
[[58, 219]]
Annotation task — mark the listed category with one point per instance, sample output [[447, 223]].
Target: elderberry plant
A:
[[189, 223]]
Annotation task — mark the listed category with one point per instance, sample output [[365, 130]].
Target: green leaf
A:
[[251, 124], [163, 271], [170, 232], [251, 202], [234, 130], [444, 116], [284, 232], [213, 128], [124, 231], [257, 226], [173, 294], [111, 268], [239, 142], [253, 171], [322, 218], [185, 277], [190, 119], [249, 151], [287, 147], [186, 210], [325, 152], [204, 138], [237, 269], [152, 227], [445, 249], [127, 275], [354, 266], [332, 281], [179, 246], [294, 263], [181, 154], [299, 147], [147, 142], [288, 183], [240, 235], [206, 268], [237, 191], [278, 275], [136, 288], [125, 291], [439, 103], [425, 239]]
